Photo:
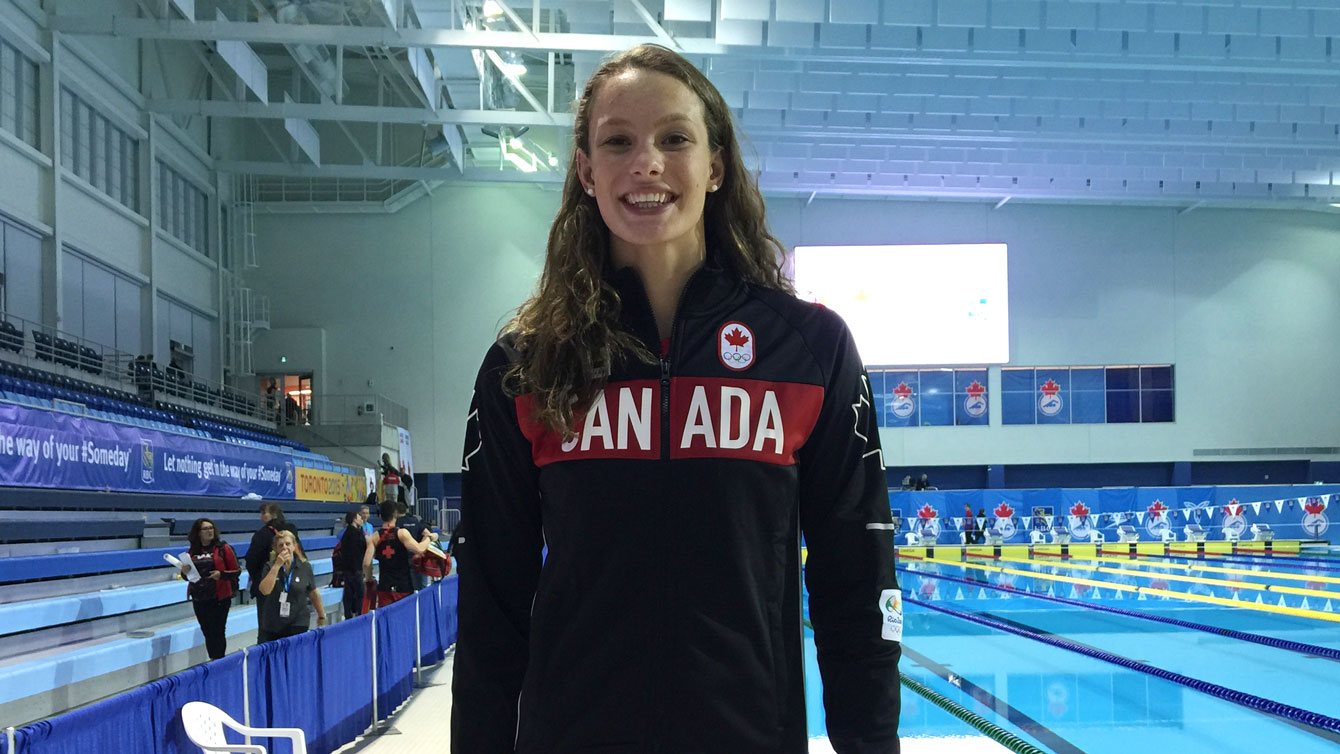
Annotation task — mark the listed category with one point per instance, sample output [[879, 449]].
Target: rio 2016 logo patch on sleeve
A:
[[891, 604]]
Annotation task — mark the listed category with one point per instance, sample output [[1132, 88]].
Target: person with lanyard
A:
[[212, 595], [393, 547], [668, 419], [288, 592]]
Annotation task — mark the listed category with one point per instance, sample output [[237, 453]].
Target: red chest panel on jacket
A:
[[752, 420]]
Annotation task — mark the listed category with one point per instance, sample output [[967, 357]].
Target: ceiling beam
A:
[[386, 172], [364, 36], [356, 113]]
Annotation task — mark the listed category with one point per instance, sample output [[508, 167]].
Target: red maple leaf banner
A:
[[1050, 387], [1157, 509], [736, 338], [1003, 510], [926, 511], [1314, 505], [975, 389], [1234, 508], [902, 391], [1079, 509]]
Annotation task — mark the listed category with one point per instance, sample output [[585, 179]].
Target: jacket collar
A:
[[711, 288]]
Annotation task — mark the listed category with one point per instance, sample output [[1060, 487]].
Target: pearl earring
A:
[[590, 192], [714, 187]]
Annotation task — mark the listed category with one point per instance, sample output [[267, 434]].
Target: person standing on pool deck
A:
[[668, 420]]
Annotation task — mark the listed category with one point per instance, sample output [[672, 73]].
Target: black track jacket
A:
[[666, 616]]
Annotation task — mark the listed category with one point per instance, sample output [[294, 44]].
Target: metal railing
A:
[[55, 351], [365, 408], [448, 518]]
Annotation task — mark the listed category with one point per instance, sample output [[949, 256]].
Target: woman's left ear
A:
[[718, 174]]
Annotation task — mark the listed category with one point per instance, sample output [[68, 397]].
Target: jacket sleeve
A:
[[855, 605], [499, 568]]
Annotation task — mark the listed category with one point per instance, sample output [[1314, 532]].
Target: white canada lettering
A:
[[769, 424], [597, 424], [635, 418], [733, 421], [728, 396], [700, 420]]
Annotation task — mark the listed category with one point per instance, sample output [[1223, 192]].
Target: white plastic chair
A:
[[204, 725]]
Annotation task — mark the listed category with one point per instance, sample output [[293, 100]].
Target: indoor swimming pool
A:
[[1118, 654]]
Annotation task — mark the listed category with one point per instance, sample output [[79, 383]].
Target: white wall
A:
[[409, 302], [1246, 304]]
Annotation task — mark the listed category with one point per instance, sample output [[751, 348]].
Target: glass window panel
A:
[[72, 288], [902, 392], [83, 133], [178, 206], [97, 165], [133, 174], [1017, 408], [1123, 378], [162, 324], [1087, 406], [66, 128], [8, 87], [1156, 378], [164, 198], [203, 329], [937, 398], [116, 168], [1123, 406], [30, 100], [23, 274], [99, 304], [128, 297], [1156, 405], [1016, 380]]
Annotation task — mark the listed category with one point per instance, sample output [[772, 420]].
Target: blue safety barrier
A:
[[1242, 698], [1268, 641], [320, 681]]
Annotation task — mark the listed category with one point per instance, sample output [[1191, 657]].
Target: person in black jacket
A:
[[258, 552], [353, 543], [668, 419]]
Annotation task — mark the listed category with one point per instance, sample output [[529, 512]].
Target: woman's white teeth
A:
[[647, 199]]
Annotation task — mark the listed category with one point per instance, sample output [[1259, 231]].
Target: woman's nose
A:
[[648, 161]]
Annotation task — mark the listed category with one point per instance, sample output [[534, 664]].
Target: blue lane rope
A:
[[1269, 641], [1242, 698]]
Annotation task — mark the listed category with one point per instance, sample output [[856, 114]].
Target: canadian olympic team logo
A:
[[975, 404], [1314, 517], [1050, 403], [1004, 520], [735, 346], [1234, 523], [902, 401]]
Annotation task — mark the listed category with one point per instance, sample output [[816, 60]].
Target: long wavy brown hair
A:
[[567, 335]]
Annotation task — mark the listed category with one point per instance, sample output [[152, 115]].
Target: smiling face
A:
[[649, 163]]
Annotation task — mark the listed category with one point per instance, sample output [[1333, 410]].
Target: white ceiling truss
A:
[[1215, 101]]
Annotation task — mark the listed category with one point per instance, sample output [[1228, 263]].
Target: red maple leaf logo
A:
[[902, 391], [1079, 509], [1003, 511], [1050, 387], [736, 338], [1233, 508], [926, 511], [975, 389], [1157, 509], [1314, 505]]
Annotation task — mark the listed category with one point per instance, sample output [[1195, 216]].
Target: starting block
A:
[[1037, 537], [1060, 534], [1194, 532], [1127, 533], [913, 538], [1166, 534], [1262, 533]]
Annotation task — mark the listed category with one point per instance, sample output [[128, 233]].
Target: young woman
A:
[[353, 545], [668, 420], [288, 592], [212, 595]]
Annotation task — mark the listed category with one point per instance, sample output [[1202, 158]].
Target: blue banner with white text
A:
[[52, 449]]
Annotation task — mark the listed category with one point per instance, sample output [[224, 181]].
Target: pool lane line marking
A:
[[1316, 723], [1276, 561], [1215, 569], [1310, 651], [996, 704], [1242, 585], [1260, 607]]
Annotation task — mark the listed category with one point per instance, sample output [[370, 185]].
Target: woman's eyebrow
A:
[[671, 118]]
